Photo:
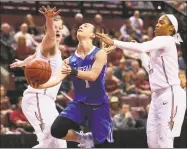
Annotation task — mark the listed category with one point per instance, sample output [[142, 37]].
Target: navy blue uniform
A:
[[90, 100]]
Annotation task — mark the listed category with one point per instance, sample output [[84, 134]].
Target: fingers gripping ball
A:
[[38, 71]]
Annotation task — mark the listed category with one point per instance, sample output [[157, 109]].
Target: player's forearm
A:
[[87, 75], [50, 27], [131, 46], [52, 82], [28, 59]]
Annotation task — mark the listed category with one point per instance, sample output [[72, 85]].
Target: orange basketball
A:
[[38, 71]]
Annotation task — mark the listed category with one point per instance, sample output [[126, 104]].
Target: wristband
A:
[[74, 72]]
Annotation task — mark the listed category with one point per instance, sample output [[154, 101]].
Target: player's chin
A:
[[58, 39], [80, 34]]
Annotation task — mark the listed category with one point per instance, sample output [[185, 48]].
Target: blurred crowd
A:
[[179, 5], [127, 82]]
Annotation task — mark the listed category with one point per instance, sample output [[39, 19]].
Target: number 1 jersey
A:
[[88, 92]]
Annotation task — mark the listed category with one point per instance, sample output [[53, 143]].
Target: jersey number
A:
[[87, 84]]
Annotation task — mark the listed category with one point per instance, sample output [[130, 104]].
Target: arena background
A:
[[124, 72]]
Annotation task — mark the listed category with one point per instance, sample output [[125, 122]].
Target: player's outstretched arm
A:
[[20, 63], [49, 39], [155, 44], [92, 75]]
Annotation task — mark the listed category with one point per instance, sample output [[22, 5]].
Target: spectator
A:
[[79, 20], [6, 35], [99, 26], [7, 44], [32, 29], [124, 119], [119, 71], [182, 77], [114, 106], [182, 65], [150, 32], [22, 50], [112, 83], [18, 118], [115, 56], [5, 107], [135, 67], [126, 29], [142, 84], [136, 22], [30, 42], [4, 130], [72, 40], [142, 121], [130, 83], [65, 32]]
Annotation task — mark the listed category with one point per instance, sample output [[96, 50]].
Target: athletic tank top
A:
[[55, 63]]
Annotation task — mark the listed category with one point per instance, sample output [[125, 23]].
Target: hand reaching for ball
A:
[[49, 12], [33, 84], [18, 63]]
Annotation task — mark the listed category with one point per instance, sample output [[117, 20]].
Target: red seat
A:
[[131, 100], [143, 100]]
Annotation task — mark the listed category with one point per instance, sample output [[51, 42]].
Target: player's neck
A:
[[84, 47]]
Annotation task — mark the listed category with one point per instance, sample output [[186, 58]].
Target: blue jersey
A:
[[89, 92]]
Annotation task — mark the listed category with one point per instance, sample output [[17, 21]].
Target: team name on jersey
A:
[[84, 68]]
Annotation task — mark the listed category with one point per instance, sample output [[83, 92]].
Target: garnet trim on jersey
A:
[[38, 115], [173, 114]]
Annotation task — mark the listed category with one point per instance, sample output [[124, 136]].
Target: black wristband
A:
[[74, 72]]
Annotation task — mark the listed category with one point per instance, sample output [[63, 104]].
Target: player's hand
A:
[[134, 41], [109, 49], [18, 63], [33, 84], [66, 69], [49, 12], [105, 38]]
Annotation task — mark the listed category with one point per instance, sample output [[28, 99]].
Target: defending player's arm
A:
[[49, 40], [23, 63], [155, 44], [92, 75]]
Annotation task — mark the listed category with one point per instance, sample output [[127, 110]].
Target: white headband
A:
[[174, 22]]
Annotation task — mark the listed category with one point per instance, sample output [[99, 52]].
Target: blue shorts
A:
[[97, 116]]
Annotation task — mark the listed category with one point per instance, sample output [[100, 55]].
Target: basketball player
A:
[[87, 67], [38, 105], [168, 103]]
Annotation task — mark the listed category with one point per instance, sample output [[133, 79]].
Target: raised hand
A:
[[18, 63], [49, 12], [105, 38]]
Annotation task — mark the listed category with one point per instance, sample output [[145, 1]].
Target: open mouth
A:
[[57, 35], [79, 30]]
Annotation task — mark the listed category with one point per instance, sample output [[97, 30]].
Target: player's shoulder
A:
[[163, 38], [101, 53]]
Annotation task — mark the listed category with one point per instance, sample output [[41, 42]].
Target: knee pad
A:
[[59, 128]]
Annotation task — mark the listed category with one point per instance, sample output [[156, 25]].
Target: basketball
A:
[[38, 71]]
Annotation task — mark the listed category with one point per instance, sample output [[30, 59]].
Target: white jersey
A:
[[55, 63], [162, 63]]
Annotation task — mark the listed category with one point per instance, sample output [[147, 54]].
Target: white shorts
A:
[[159, 117], [41, 112]]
